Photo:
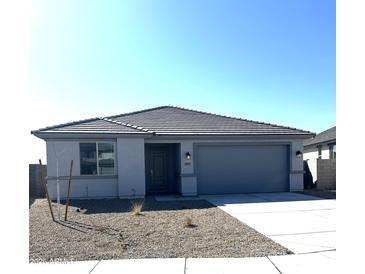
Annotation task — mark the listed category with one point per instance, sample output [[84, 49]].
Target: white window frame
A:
[[97, 157]]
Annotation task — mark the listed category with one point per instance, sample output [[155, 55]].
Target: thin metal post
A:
[[68, 190]]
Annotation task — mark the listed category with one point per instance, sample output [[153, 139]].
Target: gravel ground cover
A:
[[106, 229]]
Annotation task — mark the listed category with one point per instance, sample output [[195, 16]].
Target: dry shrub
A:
[[137, 207], [189, 222]]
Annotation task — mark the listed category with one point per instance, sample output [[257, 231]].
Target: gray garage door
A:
[[227, 169]]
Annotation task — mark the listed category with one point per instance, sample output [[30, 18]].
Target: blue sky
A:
[[271, 61]]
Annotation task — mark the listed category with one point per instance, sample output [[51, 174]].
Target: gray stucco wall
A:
[[296, 167], [129, 180], [131, 167], [83, 186]]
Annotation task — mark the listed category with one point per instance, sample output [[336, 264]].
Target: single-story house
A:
[[318, 149], [173, 150]]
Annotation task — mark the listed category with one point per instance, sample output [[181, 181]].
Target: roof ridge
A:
[[128, 125], [136, 112], [241, 119], [67, 124]]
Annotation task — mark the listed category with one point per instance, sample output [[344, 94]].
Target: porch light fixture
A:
[[187, 156], [299, 154]]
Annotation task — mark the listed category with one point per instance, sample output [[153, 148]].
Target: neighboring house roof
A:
[[168, 120], [326, 136]]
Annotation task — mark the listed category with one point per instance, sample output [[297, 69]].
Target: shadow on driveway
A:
[[220, 200]]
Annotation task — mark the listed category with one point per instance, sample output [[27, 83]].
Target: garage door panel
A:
[[227, 169]]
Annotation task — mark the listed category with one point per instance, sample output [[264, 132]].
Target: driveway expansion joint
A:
[[274, 264], [300, 233], [95, 266], [185, 259], [314, 252]]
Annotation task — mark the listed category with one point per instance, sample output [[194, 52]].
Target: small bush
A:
[[189, 222], [137, 207]]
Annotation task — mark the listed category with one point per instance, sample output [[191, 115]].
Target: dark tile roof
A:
[[326, 136], [95, 125], [168, 120]]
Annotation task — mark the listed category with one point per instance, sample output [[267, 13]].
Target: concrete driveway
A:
[[302, 223]]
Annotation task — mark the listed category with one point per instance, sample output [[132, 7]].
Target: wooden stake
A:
[[45, 189], [69, 187]]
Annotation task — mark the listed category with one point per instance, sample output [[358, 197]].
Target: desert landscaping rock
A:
[[106, 229]]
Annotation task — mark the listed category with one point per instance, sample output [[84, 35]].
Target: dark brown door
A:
[[158, 171]]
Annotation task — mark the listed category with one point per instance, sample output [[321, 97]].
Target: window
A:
[[319, 152], [97, 158], [332, 148], [106, 158], [88, 160]]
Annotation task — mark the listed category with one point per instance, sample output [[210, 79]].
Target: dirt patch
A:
[[106, 229]]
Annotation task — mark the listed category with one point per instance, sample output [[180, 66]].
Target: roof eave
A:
[[86, 135]]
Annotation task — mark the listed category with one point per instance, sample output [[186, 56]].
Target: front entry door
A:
[[158, 179]]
